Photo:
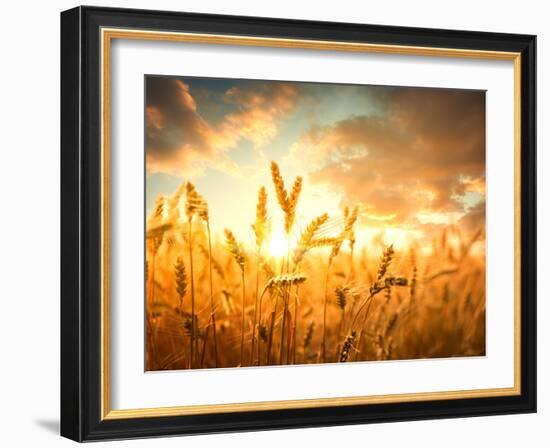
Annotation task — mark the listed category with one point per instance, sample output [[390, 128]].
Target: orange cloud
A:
[[180, 140], [474, 219], [421, 154]]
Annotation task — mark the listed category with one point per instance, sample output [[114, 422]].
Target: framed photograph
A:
[[276, 224]]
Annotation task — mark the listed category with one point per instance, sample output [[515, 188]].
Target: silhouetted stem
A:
[[192, 336], [242, 316], [255, 321], [204, 345], [259, 323], [271, 328], [212, 306], [324, 345], [294, 325]]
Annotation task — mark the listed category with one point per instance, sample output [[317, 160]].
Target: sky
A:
[[412, 159]]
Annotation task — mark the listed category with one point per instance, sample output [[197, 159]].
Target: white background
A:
[[133, 388], [29, 327]]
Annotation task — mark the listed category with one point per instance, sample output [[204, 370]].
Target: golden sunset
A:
[[303, 223]]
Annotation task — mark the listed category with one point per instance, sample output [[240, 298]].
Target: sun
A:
[[278, 244]]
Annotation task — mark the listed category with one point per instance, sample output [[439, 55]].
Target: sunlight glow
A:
[[278, 244]]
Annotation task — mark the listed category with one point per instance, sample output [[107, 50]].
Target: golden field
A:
[[315, 294]]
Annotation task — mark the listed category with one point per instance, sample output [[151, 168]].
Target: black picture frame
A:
[[81, 224]]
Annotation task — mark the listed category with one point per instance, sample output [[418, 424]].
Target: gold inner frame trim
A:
[[107, 35]]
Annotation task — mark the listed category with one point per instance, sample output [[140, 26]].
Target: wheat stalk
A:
[[212, 305], [194, 205], [156, 241], [173, 203], [197, 204], [190, 210], [288, 282], [349, 232], [379, 285], [260, 230], [335, 249], [216, 266], [293, 332], [268, 273], [288, 205], [305, 243], [280, 283], [240, 258]]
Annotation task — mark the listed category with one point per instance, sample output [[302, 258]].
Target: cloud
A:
[[474, 219], [179, 140], [422, 153], [259, 110]]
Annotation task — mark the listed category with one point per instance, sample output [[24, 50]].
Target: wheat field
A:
[[215, 301]]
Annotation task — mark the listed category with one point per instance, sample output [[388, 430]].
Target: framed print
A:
[[276, 224]]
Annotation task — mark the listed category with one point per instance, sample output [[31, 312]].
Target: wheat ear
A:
[[346, 348], [341, 294], [306, 240], [349, 231], [287, 202], [181, 279], [383, 282]]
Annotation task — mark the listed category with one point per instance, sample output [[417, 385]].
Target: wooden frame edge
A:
[[107, 34]]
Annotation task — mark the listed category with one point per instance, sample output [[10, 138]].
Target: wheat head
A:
[[181, 278], [260, 225], [235, 249], [306, 240]]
